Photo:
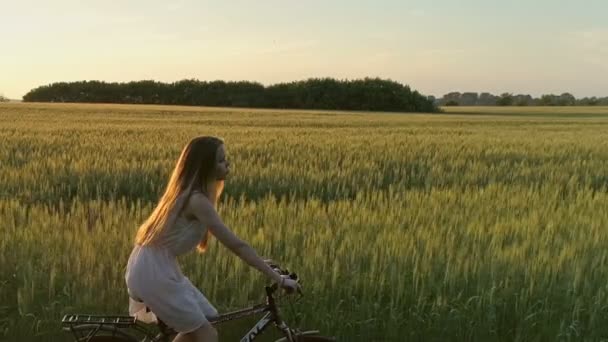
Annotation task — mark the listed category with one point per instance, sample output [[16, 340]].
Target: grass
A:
[[477, 224]]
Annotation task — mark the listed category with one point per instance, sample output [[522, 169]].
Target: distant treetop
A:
[[368, 94], [508, 99]]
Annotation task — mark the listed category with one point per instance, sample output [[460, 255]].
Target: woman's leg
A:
[[205, 333]]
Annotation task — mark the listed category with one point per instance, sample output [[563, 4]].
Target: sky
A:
[[434, 46]]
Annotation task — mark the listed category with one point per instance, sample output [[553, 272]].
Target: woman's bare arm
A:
[[203, 210]]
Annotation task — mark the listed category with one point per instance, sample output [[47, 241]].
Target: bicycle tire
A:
[[103, 334], [309, 336], [107, 339], [315, 338]]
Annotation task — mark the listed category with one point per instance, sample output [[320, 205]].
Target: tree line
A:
[[508, 99], [368, 94]]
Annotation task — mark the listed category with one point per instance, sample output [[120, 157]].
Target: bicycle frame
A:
[[93, 323], [257, 329], [85, 327], [271, 316]]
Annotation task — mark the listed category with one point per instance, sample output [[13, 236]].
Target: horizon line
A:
[[268, 84]]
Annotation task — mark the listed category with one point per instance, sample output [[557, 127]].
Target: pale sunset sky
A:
[[435, 46]]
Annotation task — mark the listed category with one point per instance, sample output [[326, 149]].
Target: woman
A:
[[182, 221]]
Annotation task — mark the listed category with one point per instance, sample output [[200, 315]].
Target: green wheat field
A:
[[478, 224]]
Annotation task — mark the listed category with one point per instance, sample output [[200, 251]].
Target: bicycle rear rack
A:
[[85, 327], [121, 320]]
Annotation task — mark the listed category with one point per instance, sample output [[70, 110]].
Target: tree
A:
[[3, 98], [506, 99], [487, 99], [523, 100], [548, 100], [566, 99], [316, 93], [590, 101], [469, 99], [452, 98]]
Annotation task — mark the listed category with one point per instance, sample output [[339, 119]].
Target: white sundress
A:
[[155, 281]]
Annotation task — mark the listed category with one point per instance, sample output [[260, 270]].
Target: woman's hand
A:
[[289, 284]]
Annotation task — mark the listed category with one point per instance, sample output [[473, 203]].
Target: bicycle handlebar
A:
[[284, 272]]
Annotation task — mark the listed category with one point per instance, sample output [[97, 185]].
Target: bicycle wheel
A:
[[95, 333], [107, 339], [309, 336]]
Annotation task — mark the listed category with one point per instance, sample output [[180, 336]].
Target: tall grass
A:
[[403, 227]]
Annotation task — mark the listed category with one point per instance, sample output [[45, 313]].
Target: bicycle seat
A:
[[140, 310]]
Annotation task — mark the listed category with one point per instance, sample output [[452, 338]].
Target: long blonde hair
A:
[[193, 171]]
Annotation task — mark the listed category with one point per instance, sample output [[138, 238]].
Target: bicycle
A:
[[123, 328]]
